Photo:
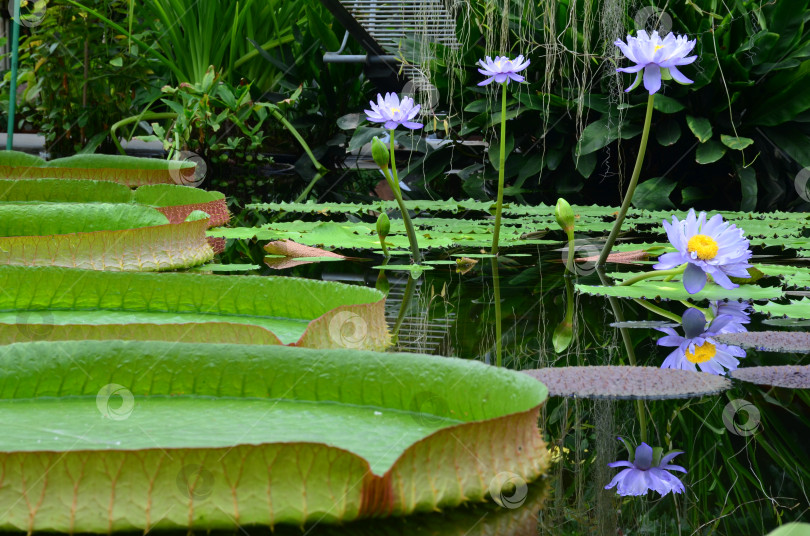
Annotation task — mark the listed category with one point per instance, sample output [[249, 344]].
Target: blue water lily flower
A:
[[697, 346], [713, 247], [393, 112], [656, 59], [738, 311], [647, 470], [502, 69]]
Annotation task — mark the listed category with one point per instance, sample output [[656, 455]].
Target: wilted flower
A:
[[658, 58], [502, 69], [393, 112], [646, 470], [715, 247], [697, 347]]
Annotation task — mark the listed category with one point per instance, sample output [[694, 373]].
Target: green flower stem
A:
[[501, 170], [628, 197], [656, 273], [406, 218], [642, 419], [657, 310], [498, 316], [394, 164], [569, 262]]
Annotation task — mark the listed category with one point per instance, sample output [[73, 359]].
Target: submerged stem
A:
[[657, 310], [498, 328], [501, 162], [631, 188]]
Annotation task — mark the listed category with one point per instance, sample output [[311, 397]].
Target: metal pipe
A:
[[15, 53]]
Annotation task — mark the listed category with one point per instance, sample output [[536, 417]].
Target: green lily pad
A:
[[673, 290], [221, 436], [68, 304], [127, 170], [100, 236]]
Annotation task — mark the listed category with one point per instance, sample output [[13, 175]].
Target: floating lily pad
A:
[[799, 309], [127, 170], [289, 248], [629, 383], [673, 290], [100, 236], [177, 202], [790, 376], [343, 435], [771, 341], [267, 310], [211, 267]]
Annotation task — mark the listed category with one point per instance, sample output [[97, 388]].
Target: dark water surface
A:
[[746, 451]]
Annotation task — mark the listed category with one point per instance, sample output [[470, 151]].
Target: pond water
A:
[[745, 450]]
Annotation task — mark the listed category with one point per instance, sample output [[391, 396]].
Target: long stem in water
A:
[[406, 218], [394, 163], [628, 197], [501, 163], [655, 273], [498, 315]]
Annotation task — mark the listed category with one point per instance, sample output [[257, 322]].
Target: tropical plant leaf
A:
[[734, 142], [709, 152], [100, 236], [302, 312], [331, 445], [700, 127], [653, 194]]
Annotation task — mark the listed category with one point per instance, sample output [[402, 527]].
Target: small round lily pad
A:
[[791, 376], [628, 383], [771, 341]]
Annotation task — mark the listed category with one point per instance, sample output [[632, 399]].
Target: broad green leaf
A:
[[256, 308], [177, 202], [128, 170], [700, 127], [602, 133], [734, 142], [668, 133], [193, 431], [709, 152], [799, 309], [64, 191], [785, 96], [99, 236], [653, 194], [667, 105]]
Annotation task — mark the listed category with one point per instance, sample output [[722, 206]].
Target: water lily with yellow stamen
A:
[[393, 112], [697, 347], [656, 59], [713, 247]]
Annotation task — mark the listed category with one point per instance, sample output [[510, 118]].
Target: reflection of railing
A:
[[418, 332], [380, 26]]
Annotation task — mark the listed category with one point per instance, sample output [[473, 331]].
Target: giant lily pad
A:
[[100, 236], [175, 202], [62, 303], [127, 170], [774, 341], [222, 436], [790, 376], [625, 382]]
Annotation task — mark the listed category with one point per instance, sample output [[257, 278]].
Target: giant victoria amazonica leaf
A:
[[69, 304], [125, 436]]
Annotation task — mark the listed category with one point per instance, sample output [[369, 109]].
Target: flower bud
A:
[[565, 215], [383, 225], [380, 153]]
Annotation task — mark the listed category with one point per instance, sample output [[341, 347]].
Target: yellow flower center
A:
[[395, 110], [705, 246], [658, 47], [702, 353]]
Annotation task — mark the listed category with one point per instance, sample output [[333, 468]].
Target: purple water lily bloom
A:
[[715, 247], [644, 472], [393, 112], [502, 69], [738, 311], [657, 58], [697, 347]]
